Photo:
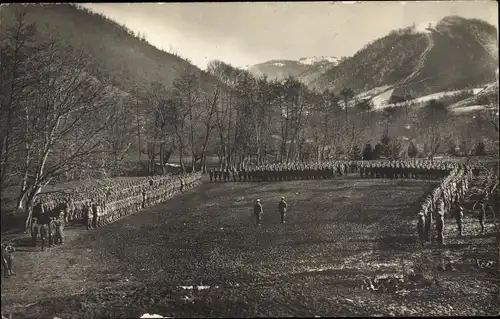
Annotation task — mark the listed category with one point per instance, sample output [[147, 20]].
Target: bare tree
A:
[[432, 128], [347, 94], [210, 104], [18, 53], [67, 114]]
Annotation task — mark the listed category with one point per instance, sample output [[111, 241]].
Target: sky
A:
[[245, 33]]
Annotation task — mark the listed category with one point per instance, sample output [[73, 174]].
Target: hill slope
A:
[[280, 69], [457, 53], [115, 51]]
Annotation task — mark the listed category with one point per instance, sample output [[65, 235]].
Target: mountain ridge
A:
[[116, 52], [283, 68], [462, 53]]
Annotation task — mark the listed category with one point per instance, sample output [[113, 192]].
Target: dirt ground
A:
[[200, 255]]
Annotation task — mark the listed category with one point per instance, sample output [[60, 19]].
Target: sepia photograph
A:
[[249, 159]]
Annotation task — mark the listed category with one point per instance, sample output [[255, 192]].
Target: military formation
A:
[[445, 199], [102, 203], [451, 198], [415, 169], [283, 172]]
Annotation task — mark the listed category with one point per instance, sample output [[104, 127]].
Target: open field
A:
[[338, 233]]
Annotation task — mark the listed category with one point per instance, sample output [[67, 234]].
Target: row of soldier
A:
[[103, 208], [447, 199], [406, 169], [417, 169], [281, 172]]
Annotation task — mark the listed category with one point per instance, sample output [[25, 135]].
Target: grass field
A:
[[200, 255]]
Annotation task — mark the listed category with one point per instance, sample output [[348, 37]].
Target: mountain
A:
[[455, 53], [115, 51], [280, 69]]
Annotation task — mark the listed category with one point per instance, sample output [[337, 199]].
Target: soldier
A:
[[59, 228], [482, 214], [144, 198], [440, 222], [7, 259], [282, 206], [211, 174], [257, 210], [71, 209], [95, 214], [421, 228], [459, 215]]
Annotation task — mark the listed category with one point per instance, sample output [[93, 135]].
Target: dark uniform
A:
[[144, 198], [482, 215], [7, 259], [59, 225], [421, 228], [211, 174], [440, 223], [459, 215], [257, 210], [282, 206]]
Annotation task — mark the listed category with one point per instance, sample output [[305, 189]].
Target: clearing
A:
[[200, 255]]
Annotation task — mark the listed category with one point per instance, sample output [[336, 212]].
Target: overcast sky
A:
[[249, 33]]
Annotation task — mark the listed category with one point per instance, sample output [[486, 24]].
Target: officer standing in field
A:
[[257, 210], [482, 213], [282, 206], [211, 174]]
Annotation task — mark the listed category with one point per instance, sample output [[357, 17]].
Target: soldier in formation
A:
[[416, 169], [440, 221], [459, 215], [445, 199], [106, 200], [421, 228]]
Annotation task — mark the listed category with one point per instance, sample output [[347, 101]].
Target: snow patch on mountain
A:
[[279, 64], [319, 59], [425, 27]]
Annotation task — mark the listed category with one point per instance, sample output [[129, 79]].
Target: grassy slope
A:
[[115, 53], [338, 232]]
